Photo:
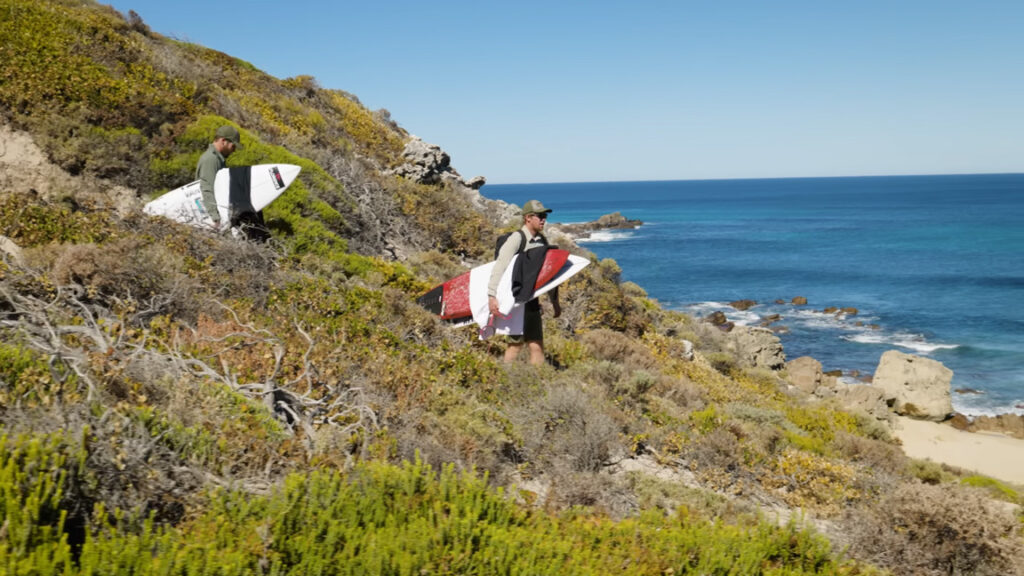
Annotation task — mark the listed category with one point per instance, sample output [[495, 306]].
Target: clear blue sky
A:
[[552, 91]]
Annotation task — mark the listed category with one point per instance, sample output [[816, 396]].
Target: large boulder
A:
[[758, 347], [915, 386], [804, 373], [864, 398]]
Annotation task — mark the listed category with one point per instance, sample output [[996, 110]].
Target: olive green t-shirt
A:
[[206, 171]]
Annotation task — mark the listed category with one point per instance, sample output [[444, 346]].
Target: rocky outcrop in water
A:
[[613, 221]]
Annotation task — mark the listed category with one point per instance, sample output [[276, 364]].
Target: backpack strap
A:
[[522, 241]]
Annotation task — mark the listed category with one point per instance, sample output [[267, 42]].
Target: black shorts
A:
[[533, 326]]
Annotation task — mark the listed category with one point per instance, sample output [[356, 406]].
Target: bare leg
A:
[[536, 353], [512, 352]]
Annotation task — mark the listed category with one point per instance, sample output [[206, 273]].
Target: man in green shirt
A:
[[226, 141]]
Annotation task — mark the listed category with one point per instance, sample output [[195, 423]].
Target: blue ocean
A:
[[934, 265]]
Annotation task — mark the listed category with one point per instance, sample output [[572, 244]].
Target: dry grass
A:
[[617, 347], [924, 530], [565, 429]]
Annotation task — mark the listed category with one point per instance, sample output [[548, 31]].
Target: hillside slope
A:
[[174, 401]]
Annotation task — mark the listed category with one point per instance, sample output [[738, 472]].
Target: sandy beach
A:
[[991, 454]]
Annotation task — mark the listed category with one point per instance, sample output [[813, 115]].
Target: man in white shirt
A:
[[534, 217]]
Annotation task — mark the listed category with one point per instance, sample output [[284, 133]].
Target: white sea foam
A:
[[924, 347], [606, 236], [915, 342], [742, 317], [972, 407], [814, 319], [705, 308], [739, 317]]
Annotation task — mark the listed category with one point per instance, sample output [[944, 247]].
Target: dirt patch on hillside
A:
[[25, 168]]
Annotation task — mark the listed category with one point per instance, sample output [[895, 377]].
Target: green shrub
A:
[[377, 519], [995, 487], [33, 472], [388, 520], [30, 222], [27, 380], [929, 472]]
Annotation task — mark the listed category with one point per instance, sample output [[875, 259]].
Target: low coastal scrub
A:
[[174, 401], [375, 519]]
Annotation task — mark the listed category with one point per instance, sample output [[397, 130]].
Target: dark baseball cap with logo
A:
[[230, 133]]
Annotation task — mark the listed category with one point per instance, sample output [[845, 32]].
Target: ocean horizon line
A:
[[755, 178]]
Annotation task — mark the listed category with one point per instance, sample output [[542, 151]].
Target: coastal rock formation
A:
[[718, 318], [864, 398], [758, 347], [799, 301], [915, 386], [424, 163], [476, 183], [428, 164], [613, 221], [1009, 424], [804, 373], [742, 305]]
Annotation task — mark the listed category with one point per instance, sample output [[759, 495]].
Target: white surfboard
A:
[[185, 204], [512, 312]]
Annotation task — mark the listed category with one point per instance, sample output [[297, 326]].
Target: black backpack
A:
[[503, 237], [527, 266]]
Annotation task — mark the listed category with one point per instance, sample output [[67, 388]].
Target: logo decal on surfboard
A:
[[275, 177]]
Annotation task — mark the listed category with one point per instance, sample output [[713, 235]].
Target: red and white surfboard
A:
[[463, 299]]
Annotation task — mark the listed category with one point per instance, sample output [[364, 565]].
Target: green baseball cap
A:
[[534, 207], [230, 133]]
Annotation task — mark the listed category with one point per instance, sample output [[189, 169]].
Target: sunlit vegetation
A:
[[174, 401]]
